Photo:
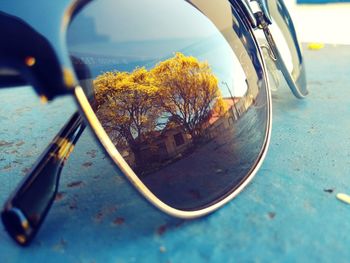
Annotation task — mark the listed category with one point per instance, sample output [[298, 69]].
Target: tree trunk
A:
[[139, 161]]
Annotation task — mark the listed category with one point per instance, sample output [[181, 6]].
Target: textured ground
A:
[[288, 213]]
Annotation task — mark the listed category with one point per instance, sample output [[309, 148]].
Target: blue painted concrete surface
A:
[[289, 213]]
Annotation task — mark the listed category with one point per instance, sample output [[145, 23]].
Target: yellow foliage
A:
[[127, 100], [188, 89], [181, 88], [220, 107]]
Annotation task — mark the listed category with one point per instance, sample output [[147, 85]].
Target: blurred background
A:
[[323, 21]]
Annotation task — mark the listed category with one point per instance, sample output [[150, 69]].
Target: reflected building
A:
[[159, 116], [173, 143], [218, 123]]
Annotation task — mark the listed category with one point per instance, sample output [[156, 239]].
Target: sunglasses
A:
[[177, 93]]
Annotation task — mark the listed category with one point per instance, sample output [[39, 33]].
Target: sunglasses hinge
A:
[[259, 18], [261, 13]]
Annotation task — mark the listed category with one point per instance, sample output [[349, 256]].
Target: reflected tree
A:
[[134, 107], [127, 105], [188, 91]]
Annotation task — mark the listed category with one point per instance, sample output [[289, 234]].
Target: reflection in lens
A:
[[184, 104]]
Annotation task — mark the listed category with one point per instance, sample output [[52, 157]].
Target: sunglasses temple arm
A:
[[281, 66], [28, 205]]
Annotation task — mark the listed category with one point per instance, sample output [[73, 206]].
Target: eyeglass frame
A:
[[63, 80]]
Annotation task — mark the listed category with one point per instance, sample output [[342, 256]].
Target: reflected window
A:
[[179, 139]]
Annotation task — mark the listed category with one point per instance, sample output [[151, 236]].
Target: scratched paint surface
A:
[[288, 213]]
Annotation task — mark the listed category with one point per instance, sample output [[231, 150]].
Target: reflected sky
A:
[[147, 32], [148, 20]]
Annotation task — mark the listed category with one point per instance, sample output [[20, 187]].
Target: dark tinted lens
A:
[[184, 100]]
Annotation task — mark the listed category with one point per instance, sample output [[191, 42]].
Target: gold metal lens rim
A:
[[104, 139]]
